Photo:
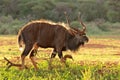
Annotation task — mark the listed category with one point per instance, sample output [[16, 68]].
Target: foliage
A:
[[8, 25], [72, 73], [92, 10], [23, 11], [113, 10], [54, 9], [75, 24]]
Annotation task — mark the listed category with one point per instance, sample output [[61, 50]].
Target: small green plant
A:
[[86, 74]]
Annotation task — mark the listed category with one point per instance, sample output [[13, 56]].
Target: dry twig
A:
[[10, 64]]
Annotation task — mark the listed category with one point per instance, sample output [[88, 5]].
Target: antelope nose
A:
[[86, 39]]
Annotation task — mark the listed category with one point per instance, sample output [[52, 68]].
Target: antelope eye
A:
[[82, 34]]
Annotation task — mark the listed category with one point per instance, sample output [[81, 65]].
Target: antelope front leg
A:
[[53, 53], [60, 55]]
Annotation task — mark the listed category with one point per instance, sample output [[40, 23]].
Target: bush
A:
[[6, 19], [9, 26], [113, 10], [92, 29], [4, 29], [75, 24], [113, 16], [101, 24]]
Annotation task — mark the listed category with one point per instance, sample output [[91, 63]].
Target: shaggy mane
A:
[[49, 22]]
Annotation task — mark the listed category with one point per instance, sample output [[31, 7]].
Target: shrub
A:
[[92, 29], [75, 24], [9, 26], [104, 27], [6, 19]]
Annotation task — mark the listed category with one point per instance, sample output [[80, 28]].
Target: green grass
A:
[[97, 60], [73, 72]]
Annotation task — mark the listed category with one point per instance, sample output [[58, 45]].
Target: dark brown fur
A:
[[45, 34]]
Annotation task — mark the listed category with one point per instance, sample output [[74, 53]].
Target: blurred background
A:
[[102, 17]]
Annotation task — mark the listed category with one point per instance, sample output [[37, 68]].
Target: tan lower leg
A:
[[35, 46], [23, 61], [34, 63]]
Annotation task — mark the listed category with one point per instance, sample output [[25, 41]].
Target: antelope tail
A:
[[20, 41]]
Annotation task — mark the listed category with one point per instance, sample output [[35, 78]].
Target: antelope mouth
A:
[[82, 43]]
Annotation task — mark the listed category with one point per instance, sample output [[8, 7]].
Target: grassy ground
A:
[[99, 59]]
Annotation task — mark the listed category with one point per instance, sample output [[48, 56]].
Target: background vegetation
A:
[[100, 15]]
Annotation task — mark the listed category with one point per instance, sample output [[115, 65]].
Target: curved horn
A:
[[84, 27], [67, 18]]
